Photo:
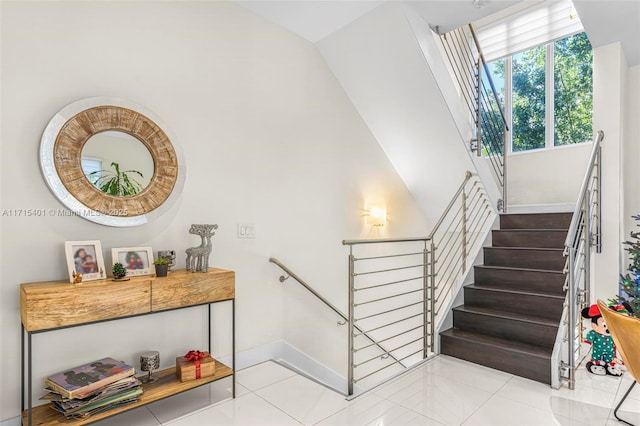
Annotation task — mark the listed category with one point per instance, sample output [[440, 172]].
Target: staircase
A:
[[512, 311]]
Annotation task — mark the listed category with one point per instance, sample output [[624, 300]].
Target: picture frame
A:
[[85, 257], [136, 260]]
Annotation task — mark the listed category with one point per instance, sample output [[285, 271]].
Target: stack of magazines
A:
[[93, 388]]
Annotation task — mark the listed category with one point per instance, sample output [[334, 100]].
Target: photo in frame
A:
[[85, 257], [136, 260]]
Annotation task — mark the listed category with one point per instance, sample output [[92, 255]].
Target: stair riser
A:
[[518, 363], [537, 281], [532, 259], [544, 307], [526, 332], [535, 221], [535, 239]]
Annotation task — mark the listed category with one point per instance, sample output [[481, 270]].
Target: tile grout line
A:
[[495, 393], [276, 407], [324, 387]]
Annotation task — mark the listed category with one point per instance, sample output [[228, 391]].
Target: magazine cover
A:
[[81, 380]]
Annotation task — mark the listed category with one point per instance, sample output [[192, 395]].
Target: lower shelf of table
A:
[[166, 385]]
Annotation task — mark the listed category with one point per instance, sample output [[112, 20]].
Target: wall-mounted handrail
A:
[[304, 284]]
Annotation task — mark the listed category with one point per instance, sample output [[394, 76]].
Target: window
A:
[[573, 90], [92, 165], [548, 93]]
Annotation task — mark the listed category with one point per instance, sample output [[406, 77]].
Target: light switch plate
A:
[[246, 230]]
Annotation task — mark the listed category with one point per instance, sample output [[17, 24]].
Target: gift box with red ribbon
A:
[[195, 365]]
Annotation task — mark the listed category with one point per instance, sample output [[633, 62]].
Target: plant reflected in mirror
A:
[[116, 182]]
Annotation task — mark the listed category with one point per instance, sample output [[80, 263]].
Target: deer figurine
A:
[[198, 257]]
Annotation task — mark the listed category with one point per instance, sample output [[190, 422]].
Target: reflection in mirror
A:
[[117, 163]]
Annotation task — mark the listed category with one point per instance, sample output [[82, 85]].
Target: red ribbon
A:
[[196, 356]]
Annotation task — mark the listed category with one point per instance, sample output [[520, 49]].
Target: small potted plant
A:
[[162, 266], [119, 272]]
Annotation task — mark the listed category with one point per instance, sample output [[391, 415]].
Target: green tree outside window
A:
[[572, 93]]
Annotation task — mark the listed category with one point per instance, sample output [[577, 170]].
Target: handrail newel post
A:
[[425, 300], [586, 207], [504, 169], [432, 314], [479, 109], [599, 198], [465, 225], [351, 324], [572, 316]]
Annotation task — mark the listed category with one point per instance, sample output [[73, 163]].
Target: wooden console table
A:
[[48, 306]]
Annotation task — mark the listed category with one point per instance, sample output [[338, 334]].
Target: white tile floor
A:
[[445, 391]]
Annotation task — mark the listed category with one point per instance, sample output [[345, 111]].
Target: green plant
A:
[[630, 282], [119, 271], [118, 183], [161, 261]]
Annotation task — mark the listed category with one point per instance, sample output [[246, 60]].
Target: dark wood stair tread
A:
[[488, 287], [527, 248], [535, 220], [512, 268], [524, 317], [504, 344], [531, 230]]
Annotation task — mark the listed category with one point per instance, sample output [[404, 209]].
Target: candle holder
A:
[[150, 361]]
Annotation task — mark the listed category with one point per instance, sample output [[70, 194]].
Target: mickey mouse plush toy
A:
[[603, 350]]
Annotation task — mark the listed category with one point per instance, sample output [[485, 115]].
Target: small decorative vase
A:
[[161, 270]]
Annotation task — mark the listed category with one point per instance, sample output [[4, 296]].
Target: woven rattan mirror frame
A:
[[60, 158]]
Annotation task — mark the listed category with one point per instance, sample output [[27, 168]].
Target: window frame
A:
[[549, 118]]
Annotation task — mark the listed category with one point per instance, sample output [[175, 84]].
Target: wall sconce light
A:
[[376, 216]]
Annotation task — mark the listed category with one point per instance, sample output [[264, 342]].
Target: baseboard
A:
[[14, 421], [300, 362], [541, 208], [293, 358], [255, 356]]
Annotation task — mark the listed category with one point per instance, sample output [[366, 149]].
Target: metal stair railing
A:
[[399, 287], [584, 235], [477, 91], [303, 283]]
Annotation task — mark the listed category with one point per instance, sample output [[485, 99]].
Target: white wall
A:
[[549, 176], [631, 157], [380, 63], [269, 138], [609, 85]]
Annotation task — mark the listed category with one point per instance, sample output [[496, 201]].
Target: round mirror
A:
[[117, 163], [109, 131]]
